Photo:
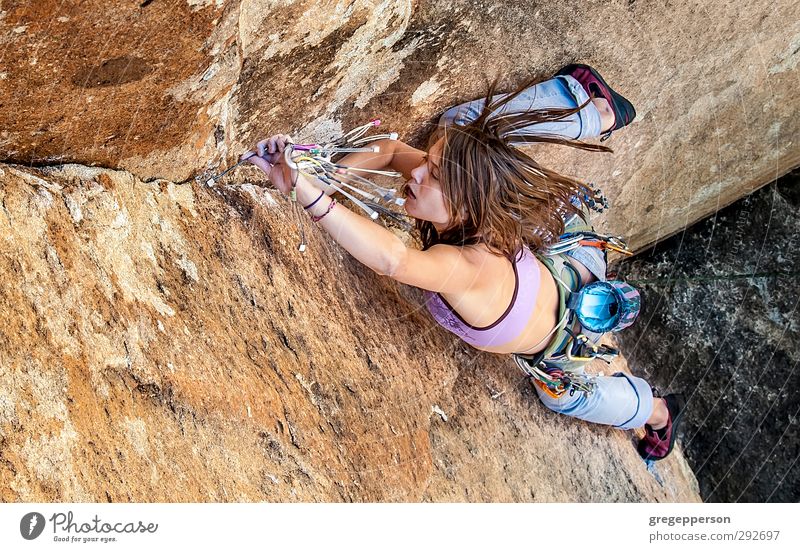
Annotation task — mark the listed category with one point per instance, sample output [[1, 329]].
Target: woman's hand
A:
[[269, 157]]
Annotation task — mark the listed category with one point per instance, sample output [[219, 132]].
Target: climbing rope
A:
[[722, 277]]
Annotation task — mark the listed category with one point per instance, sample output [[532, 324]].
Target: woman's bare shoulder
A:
[[490, 267]]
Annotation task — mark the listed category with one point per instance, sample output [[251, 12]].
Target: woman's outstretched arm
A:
[[441, 268], [394, 154]]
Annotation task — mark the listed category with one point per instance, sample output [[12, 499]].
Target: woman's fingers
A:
[[280, 141], [268, 152], [261, 147], [261, 163], [273, 144], [269, 157]]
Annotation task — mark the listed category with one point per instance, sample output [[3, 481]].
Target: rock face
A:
[[166, 342], [169, 89], [731, 344]]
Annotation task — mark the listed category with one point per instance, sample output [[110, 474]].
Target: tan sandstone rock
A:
[[167, 90], [168, 342]]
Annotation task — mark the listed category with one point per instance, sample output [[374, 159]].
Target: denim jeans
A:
[[561, 92], [621, 400]]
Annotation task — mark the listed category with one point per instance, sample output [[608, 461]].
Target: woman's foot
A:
[[659, 437], [607, 117], [596, 87], [660, 415]]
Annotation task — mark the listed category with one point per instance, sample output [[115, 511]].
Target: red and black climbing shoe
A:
[[596, 87], [658, 443]]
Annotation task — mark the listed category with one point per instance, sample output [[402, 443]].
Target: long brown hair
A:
[[497, 194]]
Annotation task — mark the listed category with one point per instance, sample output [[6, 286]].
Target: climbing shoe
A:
[[596, 87], [658, 443]]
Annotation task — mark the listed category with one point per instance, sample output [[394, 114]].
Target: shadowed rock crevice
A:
[[730, 342]]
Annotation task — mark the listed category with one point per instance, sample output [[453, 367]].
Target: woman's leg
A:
[[621, 400], [561, 92]]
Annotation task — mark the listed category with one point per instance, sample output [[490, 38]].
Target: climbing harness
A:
[[582, 349], [574, 240], [585, 313]]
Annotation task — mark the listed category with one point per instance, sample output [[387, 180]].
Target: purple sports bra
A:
[[512, 321]]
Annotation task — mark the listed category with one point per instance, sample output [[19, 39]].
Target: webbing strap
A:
[[567, 281], [549, 368]]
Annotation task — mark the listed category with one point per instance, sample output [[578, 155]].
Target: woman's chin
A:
[[408, 205]]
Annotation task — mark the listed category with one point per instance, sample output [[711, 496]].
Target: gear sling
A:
[[621, 400]]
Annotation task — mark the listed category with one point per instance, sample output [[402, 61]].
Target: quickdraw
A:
[[554, 381], [317, 160], [580, 348], [574, 240]]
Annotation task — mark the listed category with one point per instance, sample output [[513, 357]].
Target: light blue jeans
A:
[[621, 400], [561, 92]]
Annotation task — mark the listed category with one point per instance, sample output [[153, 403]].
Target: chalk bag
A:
[[606, 306]]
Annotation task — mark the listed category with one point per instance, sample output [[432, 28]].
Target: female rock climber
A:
[[482, 206]]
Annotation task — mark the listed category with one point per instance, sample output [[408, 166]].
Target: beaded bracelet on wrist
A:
[[331, 205]]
